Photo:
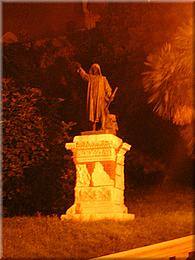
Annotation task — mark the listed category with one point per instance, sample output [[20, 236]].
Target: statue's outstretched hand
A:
[[76, 66]]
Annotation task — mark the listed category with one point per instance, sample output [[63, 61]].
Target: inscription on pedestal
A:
[[92, 154]]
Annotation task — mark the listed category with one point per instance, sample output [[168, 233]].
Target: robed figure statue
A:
[[99, 95]]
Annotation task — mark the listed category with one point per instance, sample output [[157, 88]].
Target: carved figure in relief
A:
[[111, 123], [100, 177], [83, 177], [99, 97]]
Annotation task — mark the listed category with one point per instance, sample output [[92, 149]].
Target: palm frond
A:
[[168, 83]]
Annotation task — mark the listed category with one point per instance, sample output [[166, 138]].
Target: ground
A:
[[160, 215]]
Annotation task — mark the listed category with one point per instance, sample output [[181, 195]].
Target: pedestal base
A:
[[99, 189], [95, 217]]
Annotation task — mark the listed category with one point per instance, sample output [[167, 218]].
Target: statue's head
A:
[[95, 69]]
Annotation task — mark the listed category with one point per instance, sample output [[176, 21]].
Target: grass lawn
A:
[[159, 216]]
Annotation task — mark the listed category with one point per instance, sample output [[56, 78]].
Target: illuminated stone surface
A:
[[99, 190]]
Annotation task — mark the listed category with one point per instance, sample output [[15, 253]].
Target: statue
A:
[[99, 157], [99, 97]]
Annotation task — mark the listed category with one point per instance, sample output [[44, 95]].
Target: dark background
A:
[[121, 41]]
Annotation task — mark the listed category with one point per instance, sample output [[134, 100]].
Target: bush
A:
[[36, 177], [23, 137], [143, 171]]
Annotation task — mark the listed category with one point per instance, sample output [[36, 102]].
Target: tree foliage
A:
[[144, 170], [23, 130], [168, 83], [145, 27], [37, 170], [23, 135]]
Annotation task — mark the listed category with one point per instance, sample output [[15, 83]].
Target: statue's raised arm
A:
[[83, 73]]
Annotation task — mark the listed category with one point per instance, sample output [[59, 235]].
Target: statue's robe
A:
[[98, 94]]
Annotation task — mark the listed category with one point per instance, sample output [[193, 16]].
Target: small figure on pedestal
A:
[[99, 97]]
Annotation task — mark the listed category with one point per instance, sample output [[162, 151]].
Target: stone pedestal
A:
[[99, 190]]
